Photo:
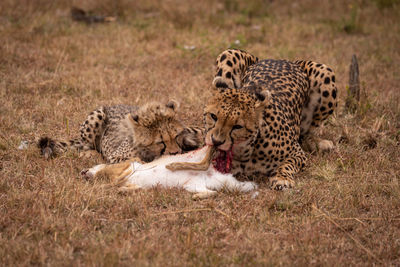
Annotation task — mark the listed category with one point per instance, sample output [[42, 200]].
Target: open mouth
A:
[[223, 161]]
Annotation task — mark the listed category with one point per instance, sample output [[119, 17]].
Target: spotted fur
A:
[[122, 132], [261, 108]]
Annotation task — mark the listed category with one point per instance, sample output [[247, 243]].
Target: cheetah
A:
[[262, 110], [122, 132]]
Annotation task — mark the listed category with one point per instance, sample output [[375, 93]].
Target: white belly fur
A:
[[156, 174]]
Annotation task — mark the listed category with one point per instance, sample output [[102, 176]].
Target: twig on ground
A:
[[223, 213], [349, 235], [366, 219], [181, 211], [353, 94], [194, 210], [358, 220]]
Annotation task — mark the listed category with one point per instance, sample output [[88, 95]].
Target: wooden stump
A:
[[353, 93]]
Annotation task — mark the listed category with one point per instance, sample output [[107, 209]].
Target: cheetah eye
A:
[[237, 126], [213, 116]]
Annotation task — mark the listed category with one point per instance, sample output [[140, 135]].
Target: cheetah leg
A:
[[312, 142], [231, 66], [92, 129], [284, 177], [321, 103]]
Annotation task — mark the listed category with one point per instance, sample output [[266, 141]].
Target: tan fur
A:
[[263, 107], [131, 175], [196, 166], [122, 132]]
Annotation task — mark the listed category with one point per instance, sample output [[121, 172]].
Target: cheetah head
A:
[[232, 119], [157, 131]]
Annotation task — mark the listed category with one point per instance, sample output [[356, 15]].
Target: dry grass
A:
[[345, 209]]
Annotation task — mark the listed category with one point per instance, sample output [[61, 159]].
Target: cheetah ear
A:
[[172, 104], [263, 98], [134, 119]]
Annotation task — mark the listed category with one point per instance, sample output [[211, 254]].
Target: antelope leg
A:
[[196, 166]]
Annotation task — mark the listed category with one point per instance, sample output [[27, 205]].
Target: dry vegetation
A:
[[344, 210]]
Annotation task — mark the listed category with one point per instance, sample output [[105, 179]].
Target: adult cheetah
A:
[[261, 111]]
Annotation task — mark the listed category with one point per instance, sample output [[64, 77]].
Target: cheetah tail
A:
[[50, 148], [46, 146]]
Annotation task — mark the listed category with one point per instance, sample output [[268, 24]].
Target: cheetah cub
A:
[[122, 132]]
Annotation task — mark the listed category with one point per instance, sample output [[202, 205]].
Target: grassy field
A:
[[345, 208]]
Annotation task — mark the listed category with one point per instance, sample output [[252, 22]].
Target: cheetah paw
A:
[[325, 145], [279, 184]]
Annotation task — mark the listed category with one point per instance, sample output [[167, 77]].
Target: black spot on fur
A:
[[219, 73], [325, 93], [334, 94], [327, 80], [223, 57]]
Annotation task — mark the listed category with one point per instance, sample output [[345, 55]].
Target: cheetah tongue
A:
[[223, 161]]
